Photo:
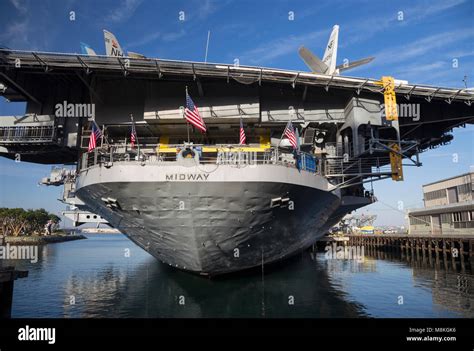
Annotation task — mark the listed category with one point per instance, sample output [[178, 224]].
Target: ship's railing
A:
[[365, 167], [236, 155], [27, 134]]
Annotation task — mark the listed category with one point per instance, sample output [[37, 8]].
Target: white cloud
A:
[[280, 47], [429, 8], [20, 5], [172, 36], [151, 37], [145, 39], [461, 53], [123, 11], [367, 28], [420, 47], [16, 34], [421, 69], [205, 9]]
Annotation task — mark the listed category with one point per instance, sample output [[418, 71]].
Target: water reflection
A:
[[94, 278], [155, 290], [451, 285]]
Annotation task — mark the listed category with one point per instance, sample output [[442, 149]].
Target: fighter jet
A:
[[328, 64], [112, 47]]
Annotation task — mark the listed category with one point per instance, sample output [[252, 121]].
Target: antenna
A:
[[207, 44]]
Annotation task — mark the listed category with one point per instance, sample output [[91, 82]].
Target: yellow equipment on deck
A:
[[396, 163], [391, 114], [390, 99]]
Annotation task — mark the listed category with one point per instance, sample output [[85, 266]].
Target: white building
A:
[[449, 207]]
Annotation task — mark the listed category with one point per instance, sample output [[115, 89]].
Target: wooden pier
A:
[[456, 252], [8, 275]]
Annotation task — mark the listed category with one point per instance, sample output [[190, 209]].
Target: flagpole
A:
[[297, 135], [279, 142], [102, 136], [134, 129], [207, 45], [187, 123]]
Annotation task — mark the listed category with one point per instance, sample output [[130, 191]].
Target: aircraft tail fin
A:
[[312, 61], [112, 46], [87, 50], [330, 54], [345, 67]]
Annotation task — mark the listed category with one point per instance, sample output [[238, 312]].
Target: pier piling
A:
[[8, 275], [457, 252]]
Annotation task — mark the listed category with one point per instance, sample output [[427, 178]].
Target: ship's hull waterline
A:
[[212, 220]]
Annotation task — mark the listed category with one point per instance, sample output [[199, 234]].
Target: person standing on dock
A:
[[48, 227]]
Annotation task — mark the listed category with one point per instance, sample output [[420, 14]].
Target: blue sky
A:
[[419, 48]]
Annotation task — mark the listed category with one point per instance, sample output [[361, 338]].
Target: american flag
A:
[[243, 139], [290, 134], [96, 134], [192, 115], [133, 135]]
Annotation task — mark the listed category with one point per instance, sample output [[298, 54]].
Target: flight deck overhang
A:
[[15, 61], [346, 109]]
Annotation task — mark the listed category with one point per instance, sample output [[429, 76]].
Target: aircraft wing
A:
[[312, 61], [135, 55], [353, 64]]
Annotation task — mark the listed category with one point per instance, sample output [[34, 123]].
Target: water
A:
[[97, 278]]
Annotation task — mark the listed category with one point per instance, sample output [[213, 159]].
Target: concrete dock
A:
[[40, 240]]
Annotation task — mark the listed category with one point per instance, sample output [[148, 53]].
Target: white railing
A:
[[27, 134], [221, 154]]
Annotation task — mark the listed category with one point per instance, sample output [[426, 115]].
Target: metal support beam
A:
[[83, 64], [328, 83], [21, 119], [18, 88], [124, 69], [92, 91], [160, 75], [294, 80], [407, 95], [241, 112], [451, 98], [200, 89], [305, 92], [359, 88], [41, 61], [432, 95], [194, 71]]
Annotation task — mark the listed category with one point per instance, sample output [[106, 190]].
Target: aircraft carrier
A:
[[203, 203]]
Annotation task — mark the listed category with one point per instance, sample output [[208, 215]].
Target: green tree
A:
[[15, 221]]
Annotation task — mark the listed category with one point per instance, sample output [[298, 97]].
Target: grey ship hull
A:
[[217, 225]]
